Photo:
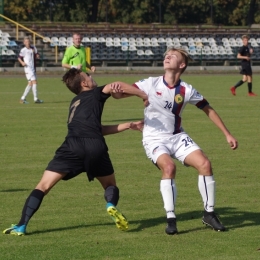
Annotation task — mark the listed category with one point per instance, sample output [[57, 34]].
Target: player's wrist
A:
[[73, 67]]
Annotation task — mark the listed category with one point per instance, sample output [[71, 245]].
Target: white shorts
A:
[[177, 146], [30, 74]]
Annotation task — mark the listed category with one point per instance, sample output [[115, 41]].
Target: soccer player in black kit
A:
[[84, 148], [244, 54]]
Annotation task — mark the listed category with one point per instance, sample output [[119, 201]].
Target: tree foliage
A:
[[224, 12]]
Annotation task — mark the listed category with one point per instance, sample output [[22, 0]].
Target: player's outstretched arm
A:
[[122, 90], [215, 118], [114, 129]]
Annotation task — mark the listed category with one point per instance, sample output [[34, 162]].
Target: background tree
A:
[[225, 12]]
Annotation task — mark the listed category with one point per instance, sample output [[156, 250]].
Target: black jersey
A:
[[85, 114], [245, 51]]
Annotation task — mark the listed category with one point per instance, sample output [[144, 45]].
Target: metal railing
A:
[[31, 31]]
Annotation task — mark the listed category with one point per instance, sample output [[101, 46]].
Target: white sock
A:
[[207, 190], [26, 91], [34, 90], [169, 195]]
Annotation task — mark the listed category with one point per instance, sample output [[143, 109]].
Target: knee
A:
[[204, 166], [44, 188], [169, 171]]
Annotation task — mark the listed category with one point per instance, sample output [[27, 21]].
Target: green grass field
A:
[[72, 222]]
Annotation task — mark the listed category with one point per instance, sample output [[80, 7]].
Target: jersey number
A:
[[73, 108], [187, 141], [168, 105]]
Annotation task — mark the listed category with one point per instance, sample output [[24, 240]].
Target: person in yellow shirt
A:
[[75, 56]]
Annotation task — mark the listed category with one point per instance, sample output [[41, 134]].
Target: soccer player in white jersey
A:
[[27, 57], [164, 138]]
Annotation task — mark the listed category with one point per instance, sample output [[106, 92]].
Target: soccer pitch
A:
[[72, 222]]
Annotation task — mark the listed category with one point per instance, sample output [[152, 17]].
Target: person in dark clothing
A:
[[84, 148], [244, 54]]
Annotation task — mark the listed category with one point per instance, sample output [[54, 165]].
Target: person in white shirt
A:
[[27, 58], [164, 138]]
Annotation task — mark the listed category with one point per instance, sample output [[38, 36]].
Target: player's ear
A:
[[182, 65]]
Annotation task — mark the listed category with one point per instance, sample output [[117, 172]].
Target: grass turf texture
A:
[[72, 222]]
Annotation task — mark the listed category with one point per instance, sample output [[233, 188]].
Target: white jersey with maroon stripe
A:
[[162, 118]]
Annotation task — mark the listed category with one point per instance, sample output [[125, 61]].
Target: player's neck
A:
[[171, 78]]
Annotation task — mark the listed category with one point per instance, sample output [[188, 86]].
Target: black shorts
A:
[[246, 69], [77, 155]]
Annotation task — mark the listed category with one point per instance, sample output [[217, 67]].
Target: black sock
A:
[[206, 213], [239, 83], [112, 195], [249, 84], [31, 205]]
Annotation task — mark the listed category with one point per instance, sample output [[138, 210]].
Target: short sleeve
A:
[[197, 99], [144, 85], [100, 95], [21, 53], [241, 50], [66, 59]]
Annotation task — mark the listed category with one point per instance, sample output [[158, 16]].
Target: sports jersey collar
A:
[[166, 84]]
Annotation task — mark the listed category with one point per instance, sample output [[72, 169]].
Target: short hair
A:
[[245, 36], [183, 53], [76, 33], [73, 78]]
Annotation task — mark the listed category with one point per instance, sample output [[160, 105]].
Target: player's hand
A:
[[79, 66], [24, 64], [251, 50], [115, 87], [232, 142], [248, 58], [93, 68], [139, 125]]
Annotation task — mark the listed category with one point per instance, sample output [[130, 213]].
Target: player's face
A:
[[76, 40], [245, 41], [26, 42], [173, 60], [88, 81]]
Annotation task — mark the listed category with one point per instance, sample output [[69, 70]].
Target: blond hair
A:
[[245, 36], [184, 54]]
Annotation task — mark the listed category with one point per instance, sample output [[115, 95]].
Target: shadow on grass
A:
[[230, 217], [14, 190]]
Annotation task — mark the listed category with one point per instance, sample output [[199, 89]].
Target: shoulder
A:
[[186, 85], [189, 89], [70, 48], [150, 80]]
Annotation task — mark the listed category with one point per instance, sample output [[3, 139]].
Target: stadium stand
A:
[[130, 46]]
